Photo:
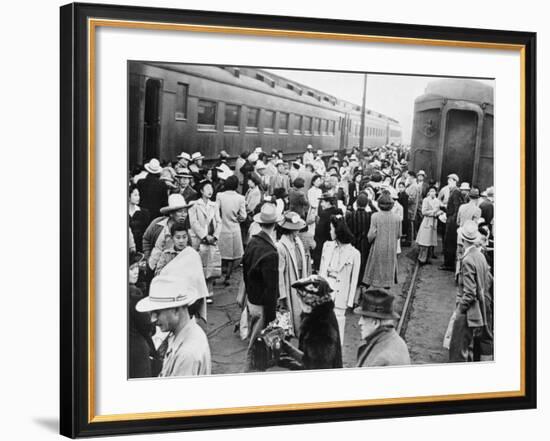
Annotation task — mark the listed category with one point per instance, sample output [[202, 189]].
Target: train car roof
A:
[[458, 89], [268, 82]]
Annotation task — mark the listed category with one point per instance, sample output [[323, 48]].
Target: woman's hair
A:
[[178, 226], [203, 184], [231, 183], [131, 188], [341, 229], [299, 183], [314, 178], [385, 201]]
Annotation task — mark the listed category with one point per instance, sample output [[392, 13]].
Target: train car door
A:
[[460, 145], [151, 119]]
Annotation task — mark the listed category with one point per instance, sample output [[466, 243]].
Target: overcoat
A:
[[383, 348], [322, 232], [261, 274], [289, 272], [358, 221], [153, 193], [340, 265], [384, 232], [427, 233], [449, 242], [233, 212], [205, 220], [320, 339]]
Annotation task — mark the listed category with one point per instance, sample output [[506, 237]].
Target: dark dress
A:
[[153, 194], [143, 360], [320, 339], [322, 233], [449, 243], [403, 199], [358, 222], [139, 222]]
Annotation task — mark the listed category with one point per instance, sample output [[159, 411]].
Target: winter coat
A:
[[289, 272], [381, 267], [320, 339], [139, 222], [153, 194], [358, 222], [383, 348], [233, 212], [322, 232], [205, 220], [297, 202], [427, 233], [340, 265], [261, 273]]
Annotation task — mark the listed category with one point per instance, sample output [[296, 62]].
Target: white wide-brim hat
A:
[[153, 166], [196, 155], [184, 155], [167, 292], [175, 202]]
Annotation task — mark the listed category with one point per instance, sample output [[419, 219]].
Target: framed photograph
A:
[[274, 220]]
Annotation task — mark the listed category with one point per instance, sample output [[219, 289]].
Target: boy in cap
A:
[[383, 346]]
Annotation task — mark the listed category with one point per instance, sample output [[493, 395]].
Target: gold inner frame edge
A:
[[262, 32]]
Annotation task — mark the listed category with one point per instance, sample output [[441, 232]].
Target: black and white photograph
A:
[[291, 219]]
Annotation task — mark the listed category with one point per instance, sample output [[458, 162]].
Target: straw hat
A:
[[196, 155], [258, 150], [470, 232], [167, 291], [292, 221], [175, 202], [267, 215], [465, 186], [153, 166], [184, 155], [183, 173], [253, 157], [309, 147], [454, 177]]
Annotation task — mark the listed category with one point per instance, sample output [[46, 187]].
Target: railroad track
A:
[[405, 313]]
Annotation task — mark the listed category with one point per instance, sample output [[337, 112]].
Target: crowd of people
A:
[[317, 238]]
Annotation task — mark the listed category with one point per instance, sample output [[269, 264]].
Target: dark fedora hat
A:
[[376, 303]]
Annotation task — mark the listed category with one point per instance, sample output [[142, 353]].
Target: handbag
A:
[[211, 260]]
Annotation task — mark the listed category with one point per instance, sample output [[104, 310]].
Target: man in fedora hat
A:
[[152, 190], [175, 211], [261, 276], [308, 156], [470, 210], [170, 296], [472, 326], [183, 160], [184, 188], [454, 201], [383, 346]]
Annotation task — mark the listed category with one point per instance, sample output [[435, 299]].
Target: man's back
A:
[[260, 272]]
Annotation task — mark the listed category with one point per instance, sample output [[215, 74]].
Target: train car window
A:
[[232, 117], [307, 125], [316, 126], [283, 122], [207, 113], [252, 119], [332, 127], [298, 125], [269, 121], [324, 127], [181, 101]]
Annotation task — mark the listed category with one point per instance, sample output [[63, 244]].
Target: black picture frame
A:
[[76, 419]]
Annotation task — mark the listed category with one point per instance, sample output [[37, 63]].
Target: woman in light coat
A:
[[293, 266], [340, 265], [427, 233], [233, 212], [206, 225]]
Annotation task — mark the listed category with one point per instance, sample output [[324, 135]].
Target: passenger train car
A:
[[453, 131], [177, 107]]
